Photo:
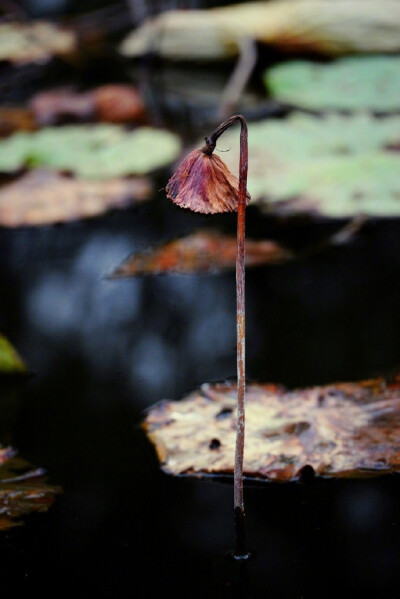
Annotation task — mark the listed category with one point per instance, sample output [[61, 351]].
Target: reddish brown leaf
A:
[[43, 197], [22, 490], [341, 430], [58, 105], [15, 119], [202, 251], [118, 104], [108, 103]]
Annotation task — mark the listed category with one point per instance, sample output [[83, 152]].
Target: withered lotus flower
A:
[[203, 183]]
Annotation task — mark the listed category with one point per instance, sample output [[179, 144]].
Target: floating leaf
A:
[[15, 119], [312, 26], [23, 490], [347, 84], [10, 361], [336, 166], [34, 42], [108, 103], [200, 252], [92, 151], [42, 197], [346, 430]]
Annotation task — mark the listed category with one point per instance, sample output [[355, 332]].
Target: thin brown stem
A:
[[240, 324]]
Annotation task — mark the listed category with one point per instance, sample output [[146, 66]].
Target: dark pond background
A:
[[103, 351]]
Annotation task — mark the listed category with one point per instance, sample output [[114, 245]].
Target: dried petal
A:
[[203, 183]]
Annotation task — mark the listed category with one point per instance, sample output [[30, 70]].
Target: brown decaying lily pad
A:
[[200, 252], [22, 490], [340, 430], [112, 103], [43, 197], [15, 119]]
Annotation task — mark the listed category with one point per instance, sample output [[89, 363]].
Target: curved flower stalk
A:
[[203, 183]]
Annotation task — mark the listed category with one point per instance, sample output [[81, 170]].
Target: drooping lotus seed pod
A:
[[203, 183]]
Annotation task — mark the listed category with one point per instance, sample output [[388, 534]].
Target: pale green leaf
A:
[[336, 166], [347, 84], [91, 151]]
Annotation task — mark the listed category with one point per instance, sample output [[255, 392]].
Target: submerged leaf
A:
[[348, 84], [23, 490], [34, 42], [200, 252], [10, 361], [346, 430], [312, 26], [336, 166], [43, 197], [92, 151]]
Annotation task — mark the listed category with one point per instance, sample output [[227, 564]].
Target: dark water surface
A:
[[103, 351]]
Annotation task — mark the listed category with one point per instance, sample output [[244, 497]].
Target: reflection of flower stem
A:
[[240, 323]]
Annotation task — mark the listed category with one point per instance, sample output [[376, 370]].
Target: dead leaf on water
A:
[[43, 197], [23, 489], [15, 119], [339, 430], [113, 103], [34, 42], [200, 252]]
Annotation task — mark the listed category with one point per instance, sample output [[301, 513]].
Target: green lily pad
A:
[[93, 151], [10, 361], [347, 84], [335, 166]]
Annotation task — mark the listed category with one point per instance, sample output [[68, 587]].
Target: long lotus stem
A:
[[240, 323]]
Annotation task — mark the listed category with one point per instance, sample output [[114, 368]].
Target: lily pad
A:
[[10, 361], [354, 83], [200, 252], [35, 42], [42, 197], [300, 26], [23, 490], [340, 430], [336, 166], [108, 103], [91, 151]]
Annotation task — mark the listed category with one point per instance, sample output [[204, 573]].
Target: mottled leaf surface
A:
[[356, 83], [10, 361], [42, 197], [336, 166], [23, 490], [200, 252], [340, 430], [91, 151]]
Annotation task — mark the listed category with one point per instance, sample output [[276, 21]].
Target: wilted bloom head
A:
[[203, 183]]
